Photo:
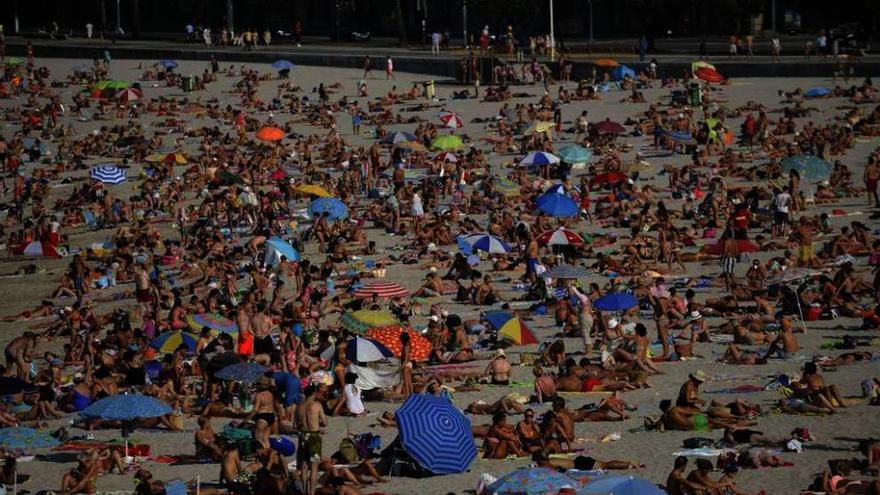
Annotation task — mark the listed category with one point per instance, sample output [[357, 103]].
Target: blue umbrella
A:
[[539, 158], [108, 174], [616, 301], [26, 439], [333, 207], [277, 247], [680, 137], [366, 350], [531, 481], [242, 372], [566, 272], [556, 189], [170, 341], [168, 64], [488, 243], [817, 92], [620, 485], [809, 166], [575, 154], [399, 137], [621, 72], [127, 408], [557, 205], [436, 434], [283, 64]]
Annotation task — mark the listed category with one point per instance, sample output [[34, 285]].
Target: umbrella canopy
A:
[[13, 61], [169, 342], [532, 481], [539, 127], [446, 143], [510, 326], [389, 337], [557, 205], [218, 323], [129, 94], [436, 434], [26, 439], [566, 272], [116, 84], [242, 372], [809, 166], [366, 350], [12, 386], [178, 158], [620, 485], [790, 275], [608, 178], [283, 64], [314, 190], [817, 92], [539, 158], [446, 156], [607, 63], [742, 246], [680, 137], [127, 408], [382, 290], [270, 134], [168, 64], [398, 137], [622, 72], [616, 301], [362, 320], [108, 174], [488, 243], [507, 187], [38, 248], [609, 127], [575, 154], [277, 247], [561, 237], [333, 207], [709, 74], [451, 120]]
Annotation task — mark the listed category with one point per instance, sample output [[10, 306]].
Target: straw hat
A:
[[699, 376]]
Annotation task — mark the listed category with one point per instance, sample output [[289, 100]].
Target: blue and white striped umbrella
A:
[[398, 137], [127, 408], [108, 174], [436, 434], [488, 243], [366, 350], [539, 158]]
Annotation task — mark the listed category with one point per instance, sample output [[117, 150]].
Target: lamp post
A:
[[590, 2], [464, 22], [552, 36], [118, 18], [230, 25], [773, 16]]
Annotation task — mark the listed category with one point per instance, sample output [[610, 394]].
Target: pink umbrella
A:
[[129, 94], [560, 237], [451, 120]]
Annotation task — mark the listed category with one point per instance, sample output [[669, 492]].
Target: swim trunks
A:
[[309, 446]]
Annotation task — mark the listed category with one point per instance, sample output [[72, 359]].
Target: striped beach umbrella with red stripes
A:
[[382, 290]]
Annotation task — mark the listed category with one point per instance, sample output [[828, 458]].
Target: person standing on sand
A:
[[368, 66], [312, 423], [870, 177], [389, 68]]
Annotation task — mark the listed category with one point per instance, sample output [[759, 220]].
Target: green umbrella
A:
[[447, 143], [100, 85], [116, 84], [14, 61]]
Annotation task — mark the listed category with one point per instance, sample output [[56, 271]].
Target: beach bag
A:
[[282, 445], [348, 450], [366, 443], [697, 442]]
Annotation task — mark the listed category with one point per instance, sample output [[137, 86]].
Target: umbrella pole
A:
[[801, 311]]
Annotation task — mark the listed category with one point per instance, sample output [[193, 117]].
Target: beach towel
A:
[[702, 452], [742, 389], [368, 378]]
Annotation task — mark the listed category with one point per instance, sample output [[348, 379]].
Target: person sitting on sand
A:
[[501, 439]]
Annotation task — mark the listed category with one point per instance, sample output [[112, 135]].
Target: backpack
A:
[[697, 442], [348, 450]]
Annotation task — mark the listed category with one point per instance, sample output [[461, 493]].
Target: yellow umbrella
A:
[[606, 62], [179, 158], [314, 190], [539, 127]]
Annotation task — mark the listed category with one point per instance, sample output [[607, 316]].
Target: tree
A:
[[401, 25]]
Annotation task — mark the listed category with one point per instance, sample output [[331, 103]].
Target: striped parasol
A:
[[436, 434], [381, 290], [561, 237], [108, 174], [451, 120]]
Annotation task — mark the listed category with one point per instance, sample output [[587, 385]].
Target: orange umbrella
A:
[[389, 336], [270, 134], [605, 62]]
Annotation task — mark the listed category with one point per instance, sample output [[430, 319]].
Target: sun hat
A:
[[699, 376]]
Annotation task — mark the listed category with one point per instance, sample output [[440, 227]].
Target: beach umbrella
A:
[[538, 159], [13, 61], [218, 323], [575, 154], [620, 485], [681, 137], [808, 166], [561, 237], [277, 247], [566, 272], [447, 143], [742, 246], [333, 207], [817, 92], [539, 127], [127, 407], [532, 481], [116, 84], [451, 120], [168, 64], [507, 186], [616, 301], [38, 248], [107, 174], [556, 189], [270, 134], [283, 64], [129, 94], [178, 158], [362, 320], [389, 336], [557, 205], [168, 342], [382, 290], [608, 178], [398, 137], [436, 434], [708, 74], [488, 243], [621, 72], [790, 275], [242, 372], [313, 190], [446, 156], [609, 127], [607, 63], [366, 350], [11, 386], [23, 439], [510, 326]]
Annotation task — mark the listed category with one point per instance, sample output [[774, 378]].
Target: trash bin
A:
[[429, 89], [695, 95], [188, 83]]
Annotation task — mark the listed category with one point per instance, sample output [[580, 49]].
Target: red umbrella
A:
[[381, 289], [609, 127], [560, 237], [129, 94], [270, 134], [742, 246], [390, 337], [709, 74], [451, 120], [447, 156], [608, 178]]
